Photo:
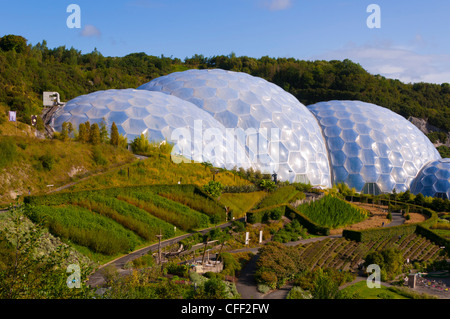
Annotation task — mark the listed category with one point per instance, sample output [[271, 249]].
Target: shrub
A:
[[298, 293], [389, 216], [213, 188], [141, 145], [47, 161], [262, 288], [230, 265], [178, 270], [291, 232]]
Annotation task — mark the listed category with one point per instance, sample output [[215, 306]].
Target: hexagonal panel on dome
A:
[[433, 179], [140, 111], [390, 150], [245, 102]]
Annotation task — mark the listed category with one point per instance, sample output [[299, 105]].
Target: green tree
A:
[[83, 135], [140, 144], [390, 261], [64, 131], [103, 133], [13, 42], [325, 287], [419, 199], [213, 188], [69, 128], [114, 135], [94, 134], [215, 288], [268, 185]]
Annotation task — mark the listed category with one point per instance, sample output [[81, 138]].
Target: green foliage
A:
[[28, 274], [444, 151], [277, 264], [8, 151], [47, 161], [266, 214], [79, 225], [13, 42], [213, 188], [282, 195], [172, 212], [291, 232], [332, 212], [114, 135], [231, 265], [197, 202], [98, 157], [83, 135], [322, 283], [240, 203], [94, 134], [268, 185], [178, 270], [437, 137], [141, 145], [389, 232], [390, 260]]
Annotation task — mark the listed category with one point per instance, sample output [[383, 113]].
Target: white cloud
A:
[[90, 31], [395, 62], [277, 5]]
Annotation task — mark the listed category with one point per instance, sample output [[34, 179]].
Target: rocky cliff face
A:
[[426, 128]]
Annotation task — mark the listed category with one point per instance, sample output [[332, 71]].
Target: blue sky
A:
[[411, 45]]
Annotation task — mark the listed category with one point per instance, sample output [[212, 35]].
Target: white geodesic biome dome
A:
[[434, 179], [156, 114], [288, 139], [371, 145]]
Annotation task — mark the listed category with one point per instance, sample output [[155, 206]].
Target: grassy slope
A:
[[365, 292], [71, 160], [240, 203], [158, 169]]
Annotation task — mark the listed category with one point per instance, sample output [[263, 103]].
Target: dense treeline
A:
[[27, 70]]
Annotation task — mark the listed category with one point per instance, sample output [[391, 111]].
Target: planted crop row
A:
[[129, 216], [81, 226], [346, 254], [172, 212], [199, 203], [332, 212]]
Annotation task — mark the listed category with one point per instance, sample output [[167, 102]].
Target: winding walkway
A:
[[247, 286]]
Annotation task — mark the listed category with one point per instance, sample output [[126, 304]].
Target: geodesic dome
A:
[[287, 138], [370, 145], [160, 116], [434, 179]]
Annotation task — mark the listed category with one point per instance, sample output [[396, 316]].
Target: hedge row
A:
[[385, 232], [431, 235], [265, 214], [311, 226], [275, 212]]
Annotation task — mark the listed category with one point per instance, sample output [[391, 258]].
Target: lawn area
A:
[[365, 292], [240, 203]]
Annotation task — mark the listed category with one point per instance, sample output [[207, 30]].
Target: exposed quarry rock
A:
[[427, 128]]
